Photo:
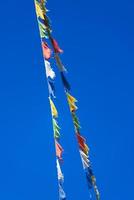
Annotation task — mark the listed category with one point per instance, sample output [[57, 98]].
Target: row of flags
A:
[[54, 53]]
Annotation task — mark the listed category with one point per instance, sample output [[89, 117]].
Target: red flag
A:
[[56, 46], [82, 144], [59, 150], [46, 50]]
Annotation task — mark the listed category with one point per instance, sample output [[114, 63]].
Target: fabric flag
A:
[[62, 195], [59, 150], [53, 109], [85, 160], [76, 121], [39, 11], [59, 63], [89, 175], [43, 30], [56, 129], [72, 101], [49, 71], [60, 175], [46, 50], [51, 89], [65, 82], [82, 144], [56, 46]]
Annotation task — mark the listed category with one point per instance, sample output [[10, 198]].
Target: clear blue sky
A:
[[98, 42]]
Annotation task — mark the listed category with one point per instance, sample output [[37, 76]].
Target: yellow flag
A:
[[86, 149], [53, 109], [72, 101], [39, 11]]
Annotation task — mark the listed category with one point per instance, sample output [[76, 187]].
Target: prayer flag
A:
[[53, 109], [82, 144], [59, 150], [46, 50], [39, 11], [49, 71]]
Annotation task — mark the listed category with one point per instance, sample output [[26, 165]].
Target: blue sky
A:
[[98, 42]]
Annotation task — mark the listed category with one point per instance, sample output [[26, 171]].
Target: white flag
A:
[[60, 175], [49, 71], [85, 160]]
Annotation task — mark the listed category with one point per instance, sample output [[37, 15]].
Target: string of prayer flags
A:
[[46, 50], [46, 33]]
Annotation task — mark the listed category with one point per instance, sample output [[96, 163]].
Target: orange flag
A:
[[59, 150], [46, 50]]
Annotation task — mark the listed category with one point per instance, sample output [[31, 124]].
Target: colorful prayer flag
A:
[[39, 11], [53, 109], [51, 89], [56, 129], [85, 160], [60, 175], [62, 195], [82, 144], [46, 50], [59, 150], [49, 71]]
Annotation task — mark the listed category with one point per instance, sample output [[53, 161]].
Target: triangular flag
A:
[[62, 195], [43, 30], [89, 178], [51, 88], [39, 11], [56, 46], [72, 101], [76, 121], [53, 109], [82, 144], [49, 71], [85, 160], [59, 150], [46, 50], [56, 129], [60, 175]]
